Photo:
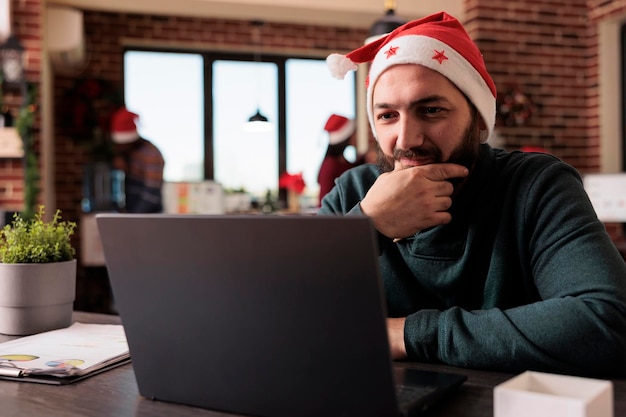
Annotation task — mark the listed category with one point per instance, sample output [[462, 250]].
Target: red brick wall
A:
[[27, 25], [549, 49], [539, 47]]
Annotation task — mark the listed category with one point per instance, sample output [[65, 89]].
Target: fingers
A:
[[405, 201], [443, 188], [433, 179], [442, 172]]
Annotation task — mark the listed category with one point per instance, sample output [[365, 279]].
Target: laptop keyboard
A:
[[408, 394]]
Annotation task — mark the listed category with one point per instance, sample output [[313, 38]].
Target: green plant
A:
[[24, 124], [37, 241]]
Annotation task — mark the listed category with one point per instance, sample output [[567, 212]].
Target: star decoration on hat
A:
[[391, 51], [440, 56]]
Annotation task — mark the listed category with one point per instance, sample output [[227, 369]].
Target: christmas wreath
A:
[[87, 108], [516, 108]]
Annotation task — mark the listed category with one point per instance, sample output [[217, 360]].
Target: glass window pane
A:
[[243, 159], [166, 90], [312, 96]]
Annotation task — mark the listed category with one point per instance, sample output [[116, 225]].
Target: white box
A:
[[206, 197], [540, 394], [237, 202]]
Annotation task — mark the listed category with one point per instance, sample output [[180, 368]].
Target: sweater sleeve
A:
[[577, 325], [350, 188]]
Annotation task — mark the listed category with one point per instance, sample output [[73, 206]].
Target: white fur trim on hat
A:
[[343, 133], [124, 137], [340, 65], [423, 50]]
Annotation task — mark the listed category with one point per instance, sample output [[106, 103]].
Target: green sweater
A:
[[525, 276]]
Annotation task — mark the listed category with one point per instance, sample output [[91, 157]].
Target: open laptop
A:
[[259, 315]]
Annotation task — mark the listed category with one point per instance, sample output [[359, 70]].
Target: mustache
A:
[[386, 163], [418, 153]]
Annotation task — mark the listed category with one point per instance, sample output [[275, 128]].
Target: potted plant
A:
[[37, 274]]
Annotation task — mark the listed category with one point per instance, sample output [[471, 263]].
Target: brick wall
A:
[[539, 48], [549, 50], [27, 26]]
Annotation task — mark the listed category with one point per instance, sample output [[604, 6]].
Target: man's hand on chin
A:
[[395, 332]]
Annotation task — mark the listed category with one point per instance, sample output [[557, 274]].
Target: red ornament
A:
[[292, 182]]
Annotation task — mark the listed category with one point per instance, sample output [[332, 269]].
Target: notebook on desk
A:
[[259, 315]]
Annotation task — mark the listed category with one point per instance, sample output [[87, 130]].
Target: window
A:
[[194, 106], [242, 159], [170, 106], [312, 96]]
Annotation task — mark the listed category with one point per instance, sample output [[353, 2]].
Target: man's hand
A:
[[403, 202], [395, 332]]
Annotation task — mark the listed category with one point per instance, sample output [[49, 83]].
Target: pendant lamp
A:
[[257, 122], [385, 24], [257, 117]]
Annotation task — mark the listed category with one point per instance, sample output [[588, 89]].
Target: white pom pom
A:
[[339, 65]]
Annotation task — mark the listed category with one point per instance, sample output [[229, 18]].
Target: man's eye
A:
[[385, 116], [431, 110]]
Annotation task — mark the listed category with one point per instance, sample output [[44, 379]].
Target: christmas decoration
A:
[[516, 108]]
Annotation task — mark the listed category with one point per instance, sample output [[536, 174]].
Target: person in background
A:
[[142, 164], [489, 259], [341, 134]]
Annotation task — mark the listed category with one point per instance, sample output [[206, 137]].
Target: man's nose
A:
[[410, 133]]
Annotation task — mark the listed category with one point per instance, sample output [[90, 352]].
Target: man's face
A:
[[421, 118]]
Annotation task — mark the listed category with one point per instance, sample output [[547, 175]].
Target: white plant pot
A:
[[35, 298]]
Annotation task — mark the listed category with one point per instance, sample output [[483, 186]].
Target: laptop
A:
[[259, 315]]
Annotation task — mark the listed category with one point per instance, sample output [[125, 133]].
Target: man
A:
[[489, 259], [142, 164], [341, 134]]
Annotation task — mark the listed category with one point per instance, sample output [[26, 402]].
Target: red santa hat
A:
[[339, 128], [438, 42], [124, 127]]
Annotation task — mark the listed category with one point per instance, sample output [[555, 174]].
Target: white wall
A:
[[610, 80]]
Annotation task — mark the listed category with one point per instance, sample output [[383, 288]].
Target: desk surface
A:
[[114, 393]]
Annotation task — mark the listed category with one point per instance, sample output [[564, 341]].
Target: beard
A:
[[465, 154]]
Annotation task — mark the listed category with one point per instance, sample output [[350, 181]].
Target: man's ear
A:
[[483, 131], [482, 125]]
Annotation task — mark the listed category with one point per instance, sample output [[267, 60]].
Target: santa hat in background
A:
[[438, 42], [124, 126], [339, 128]]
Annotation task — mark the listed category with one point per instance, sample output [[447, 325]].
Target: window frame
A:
[[209, 57]]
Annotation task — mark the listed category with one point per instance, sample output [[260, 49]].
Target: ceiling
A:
[[345, 13]]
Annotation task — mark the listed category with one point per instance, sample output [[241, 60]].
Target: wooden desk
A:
[[114, 393]]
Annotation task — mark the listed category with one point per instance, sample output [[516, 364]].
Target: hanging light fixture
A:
[[257, 122], [385, 24], [11, 52], [257, 117], [12, 58]]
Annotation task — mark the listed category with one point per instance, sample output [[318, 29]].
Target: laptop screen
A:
[[261, 315]]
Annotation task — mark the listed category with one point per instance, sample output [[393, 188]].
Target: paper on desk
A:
[[76, 350]]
